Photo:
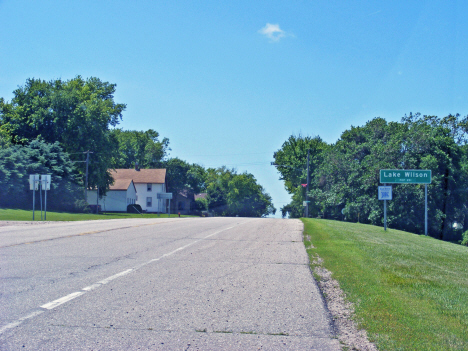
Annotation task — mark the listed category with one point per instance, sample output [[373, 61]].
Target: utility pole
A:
[[307, 188], [87, 163]]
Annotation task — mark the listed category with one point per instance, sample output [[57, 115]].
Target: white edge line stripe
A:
[[62, 300]]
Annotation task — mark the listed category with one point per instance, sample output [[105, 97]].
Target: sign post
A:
[[45, 185], [33, 185], [385, 193], [167, 196], [44, 181], [409, 176], [425, 209]]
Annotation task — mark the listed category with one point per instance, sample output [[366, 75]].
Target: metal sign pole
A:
[[40, 195], [425, 209], [34, 195], [45, 204], [385, 212]]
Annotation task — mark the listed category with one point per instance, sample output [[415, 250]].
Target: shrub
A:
[[464, 240], [134, 208]]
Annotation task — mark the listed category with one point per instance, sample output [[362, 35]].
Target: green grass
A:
[[410, 292], [22, 215]]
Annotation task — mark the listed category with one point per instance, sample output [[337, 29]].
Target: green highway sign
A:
[[405, 176]]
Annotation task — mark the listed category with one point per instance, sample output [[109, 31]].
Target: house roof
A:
[[120, 184], [187, 194], [201, 196], [157, 176]]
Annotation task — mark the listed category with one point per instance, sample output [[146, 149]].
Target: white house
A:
[[148, 183], [121, 194]]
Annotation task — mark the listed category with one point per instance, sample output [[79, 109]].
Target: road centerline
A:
[[62, 300]]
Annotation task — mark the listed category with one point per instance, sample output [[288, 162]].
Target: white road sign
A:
[[385, 192], [45, 181], [34, 182]]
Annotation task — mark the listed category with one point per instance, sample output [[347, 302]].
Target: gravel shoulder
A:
[[341, 310]]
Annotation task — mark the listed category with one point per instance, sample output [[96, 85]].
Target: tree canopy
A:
[[52, 126], [346, 174], [38, 157], [139, 147], [232, 194], [76, 113]]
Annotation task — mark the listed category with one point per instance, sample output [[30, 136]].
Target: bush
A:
[[201, 204], [134, 208], [464, 240], [18, 162], [81, 206]]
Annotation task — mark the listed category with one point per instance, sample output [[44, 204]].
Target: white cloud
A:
[[272, 32]]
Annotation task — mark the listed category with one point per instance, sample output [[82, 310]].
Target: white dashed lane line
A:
[[53, 304], [62, 300]]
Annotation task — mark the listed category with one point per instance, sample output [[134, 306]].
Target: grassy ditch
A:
[[22, 215], [410, 291]]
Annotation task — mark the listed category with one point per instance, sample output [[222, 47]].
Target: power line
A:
[[255, 153]]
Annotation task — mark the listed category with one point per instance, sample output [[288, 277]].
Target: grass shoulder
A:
[[410, 292], [23, 215]]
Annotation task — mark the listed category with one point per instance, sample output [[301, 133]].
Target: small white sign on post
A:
[[34, 182], [385, 192], [34, 185], [45, 181], [45, 185]]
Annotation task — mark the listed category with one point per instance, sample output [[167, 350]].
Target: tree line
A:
[[50, 126], [345, 175]]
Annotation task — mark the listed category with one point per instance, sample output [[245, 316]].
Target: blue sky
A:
[[229, 83]]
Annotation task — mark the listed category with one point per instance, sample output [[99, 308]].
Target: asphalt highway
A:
[[160, 284]]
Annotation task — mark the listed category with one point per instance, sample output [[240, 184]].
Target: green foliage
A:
[[246, 198], [182, 175], [18, 162], [291, 161], [346, 174], [201, 204], [295, 208], [77, 113], [232, 194], [464, 240], [217, 181], [141, 147]]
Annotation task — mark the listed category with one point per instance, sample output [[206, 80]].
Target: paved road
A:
[[160, 284]]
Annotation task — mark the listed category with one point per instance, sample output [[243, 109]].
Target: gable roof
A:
[[186, 193], [157, 176], [121, 184]]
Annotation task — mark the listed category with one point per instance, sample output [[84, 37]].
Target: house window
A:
[[181, 206], [149, 201], [149, 186]]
